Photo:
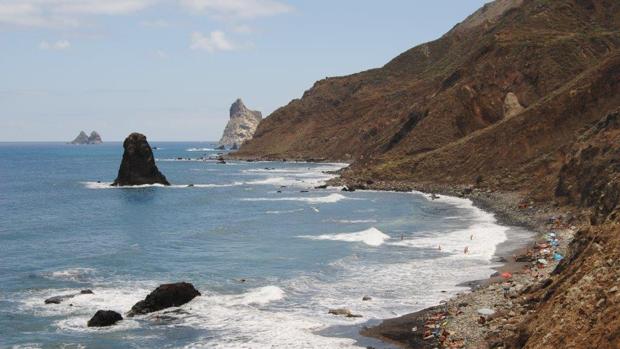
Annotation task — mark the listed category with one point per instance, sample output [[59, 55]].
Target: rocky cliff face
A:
[[138, 164], [83, 138], [241, 126], [580, 306]]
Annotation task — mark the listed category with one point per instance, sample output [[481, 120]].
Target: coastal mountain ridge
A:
[[521, 97]]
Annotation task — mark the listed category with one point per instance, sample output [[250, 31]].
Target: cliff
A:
[[241, 126]]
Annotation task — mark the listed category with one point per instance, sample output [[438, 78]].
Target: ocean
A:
[[269, 258]]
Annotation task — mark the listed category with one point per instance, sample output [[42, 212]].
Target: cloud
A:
[[57, 46], [63, 13], [215, 41], [237, 9]]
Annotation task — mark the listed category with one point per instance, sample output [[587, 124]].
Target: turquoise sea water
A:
[[301, 253]]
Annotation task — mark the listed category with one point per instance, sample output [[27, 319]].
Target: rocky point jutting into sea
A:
[[514, 108], [241, 126]]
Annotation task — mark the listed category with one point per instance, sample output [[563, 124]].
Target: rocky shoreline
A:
[[490, 314]]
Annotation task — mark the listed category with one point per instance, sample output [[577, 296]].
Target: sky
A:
[[171, 68]]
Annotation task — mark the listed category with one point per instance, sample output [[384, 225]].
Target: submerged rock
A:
[[165, 296], [58, 299], [138, 165], [241, 126], [104, 318], [343, 312]]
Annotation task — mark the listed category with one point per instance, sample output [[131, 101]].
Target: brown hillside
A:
[[581, 307], [443, 91]]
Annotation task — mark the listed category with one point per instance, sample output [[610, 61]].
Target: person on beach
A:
[[439, 246], [466, 251], [471, 237]]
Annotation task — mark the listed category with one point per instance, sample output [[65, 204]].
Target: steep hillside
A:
[[443, 91], [580, 308]]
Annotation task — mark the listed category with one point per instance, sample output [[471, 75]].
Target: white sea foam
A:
[[332, 198], [71, 274], [480, 238], [108, 185], [120, 299], [258, 296], [199, 149], [371, 237]]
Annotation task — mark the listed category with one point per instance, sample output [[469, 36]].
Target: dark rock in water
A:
[[366, 298], [58, 299], [165, 296], [103, 318], [324, 186], [221, 147], [138, 165]]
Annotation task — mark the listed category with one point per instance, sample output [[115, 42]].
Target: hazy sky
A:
[[171, 68]]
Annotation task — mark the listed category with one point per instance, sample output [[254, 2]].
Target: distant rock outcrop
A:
[[241, 126], [83, 138], [94, 138], [165, 296], [138, 165]]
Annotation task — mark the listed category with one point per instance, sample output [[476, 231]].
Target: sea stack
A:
[[94, 138], [83, 138], [138, 165], [241, 126]]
